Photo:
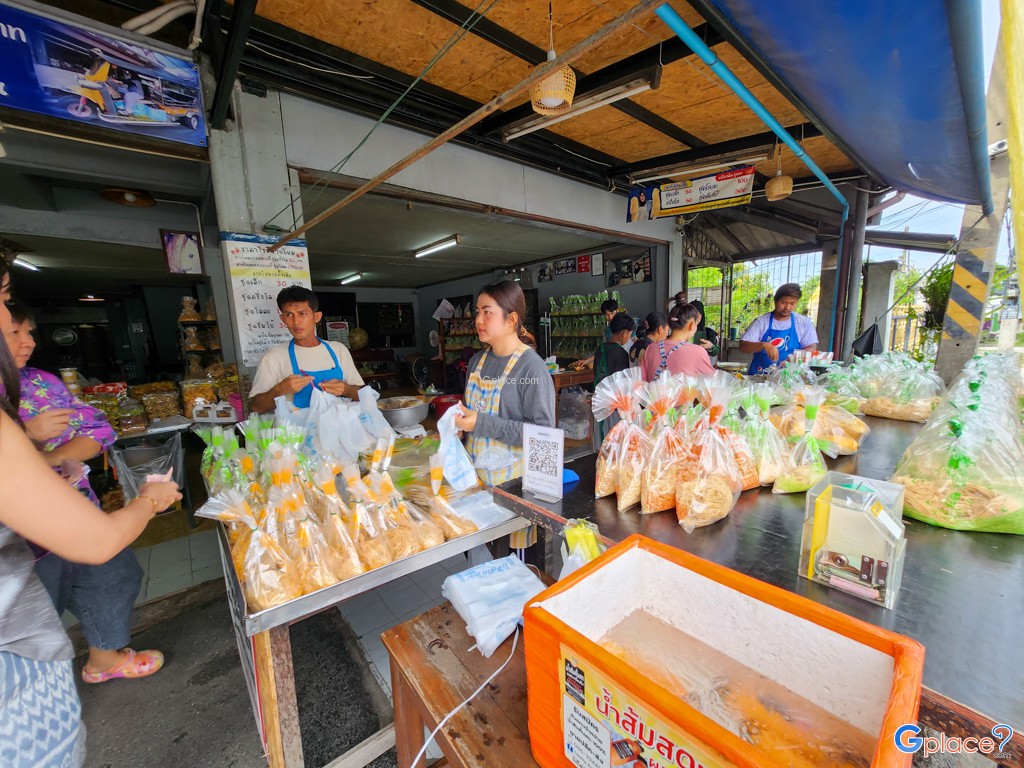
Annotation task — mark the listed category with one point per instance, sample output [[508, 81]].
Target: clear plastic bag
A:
[[660, 477], [964, 469], [659, 397], [634, 454], [804, 465], [903, 389], [710, 481], [838, 431], [608, 461], [766, 442], [618, 393]]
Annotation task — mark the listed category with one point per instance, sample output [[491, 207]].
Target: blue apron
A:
[[302, 397], [786, 341]]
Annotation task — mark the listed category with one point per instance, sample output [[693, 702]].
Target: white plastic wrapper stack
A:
[[491, 597]]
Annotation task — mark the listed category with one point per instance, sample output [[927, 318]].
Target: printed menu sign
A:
[[257, 276]]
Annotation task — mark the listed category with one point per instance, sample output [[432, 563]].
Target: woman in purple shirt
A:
[[100, 596]]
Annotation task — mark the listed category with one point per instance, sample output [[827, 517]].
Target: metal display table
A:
[[961, 592], [264, 646]]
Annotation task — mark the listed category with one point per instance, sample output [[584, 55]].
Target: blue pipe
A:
[[709, 57], [965, 37]]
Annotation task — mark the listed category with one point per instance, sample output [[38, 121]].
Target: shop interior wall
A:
[[384, 296]]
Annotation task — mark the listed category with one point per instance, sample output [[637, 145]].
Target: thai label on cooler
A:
[[599, 719]]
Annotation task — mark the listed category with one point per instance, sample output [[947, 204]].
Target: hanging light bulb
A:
[[779, 187], [553, 95]]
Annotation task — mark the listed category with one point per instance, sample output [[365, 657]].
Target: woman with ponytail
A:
[[652, 329], [508, 384], [677, 354]]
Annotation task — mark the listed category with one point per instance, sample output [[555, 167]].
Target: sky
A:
[[929, 216]]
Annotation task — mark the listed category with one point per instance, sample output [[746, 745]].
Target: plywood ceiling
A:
[[405, 36]]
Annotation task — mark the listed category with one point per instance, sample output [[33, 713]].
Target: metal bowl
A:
[[403, 417]]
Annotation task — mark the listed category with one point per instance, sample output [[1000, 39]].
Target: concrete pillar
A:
[[853, 286], [826, 298], [879, 281], [252, 183]]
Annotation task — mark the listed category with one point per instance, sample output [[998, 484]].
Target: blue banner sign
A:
[[53, 68]]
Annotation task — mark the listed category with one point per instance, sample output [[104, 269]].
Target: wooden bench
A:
[[433, 670]]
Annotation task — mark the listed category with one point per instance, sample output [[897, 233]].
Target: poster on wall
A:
[[565, 267], [629, 271], [257, 276], [718, 190], [546, 273], [57, 69], [583, 265]]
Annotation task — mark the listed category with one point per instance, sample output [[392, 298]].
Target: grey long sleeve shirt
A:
[[527, 396]]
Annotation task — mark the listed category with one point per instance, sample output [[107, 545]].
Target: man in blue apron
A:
[[307, 361], [774, 336]]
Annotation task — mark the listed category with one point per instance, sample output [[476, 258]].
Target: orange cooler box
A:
[[589, 708]]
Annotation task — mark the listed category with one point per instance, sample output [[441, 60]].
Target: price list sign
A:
[[257, 276]]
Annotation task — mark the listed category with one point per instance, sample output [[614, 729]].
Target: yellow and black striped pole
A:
[[979, 237]]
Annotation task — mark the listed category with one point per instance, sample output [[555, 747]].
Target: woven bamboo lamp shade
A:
[[779, 187], [553, 95]]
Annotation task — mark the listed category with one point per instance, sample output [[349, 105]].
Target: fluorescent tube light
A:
[[696, 168], [586, 102], [579, 107], [448, 242], [351, 278], [20, 262]]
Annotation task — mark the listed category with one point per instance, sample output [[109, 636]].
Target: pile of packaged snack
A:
[[299, 520]]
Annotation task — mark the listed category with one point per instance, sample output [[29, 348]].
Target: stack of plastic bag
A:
[[964, 469], [803, 465], [709, 480], [792, 376], [767, 445], [491, 597], [909, 393], [616, 394]]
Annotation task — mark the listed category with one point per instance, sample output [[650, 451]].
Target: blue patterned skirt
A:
[[40, 715]]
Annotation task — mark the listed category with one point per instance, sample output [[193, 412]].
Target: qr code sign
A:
[[544, 457]]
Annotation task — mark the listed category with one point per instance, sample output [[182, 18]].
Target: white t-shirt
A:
[[277, 365], [806, 333]]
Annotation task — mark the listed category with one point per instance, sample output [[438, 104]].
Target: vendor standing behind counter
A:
[[776, 335], [508, 384], [307, 361]]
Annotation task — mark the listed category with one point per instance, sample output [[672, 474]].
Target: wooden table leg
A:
[[408, 720], [275, 676]]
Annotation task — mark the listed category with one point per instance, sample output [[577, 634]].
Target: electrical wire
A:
[[313, 67], [471, 696], [471, 21]]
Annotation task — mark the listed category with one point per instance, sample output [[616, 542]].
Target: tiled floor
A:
[[371, 613], [172, 566]]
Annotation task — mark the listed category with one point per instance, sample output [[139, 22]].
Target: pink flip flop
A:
[[136, 664]]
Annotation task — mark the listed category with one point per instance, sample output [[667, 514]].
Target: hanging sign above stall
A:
[[257, 276], [58, 69], [719, 190]]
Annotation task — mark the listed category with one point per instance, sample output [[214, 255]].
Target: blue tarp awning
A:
[[899, 84]]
